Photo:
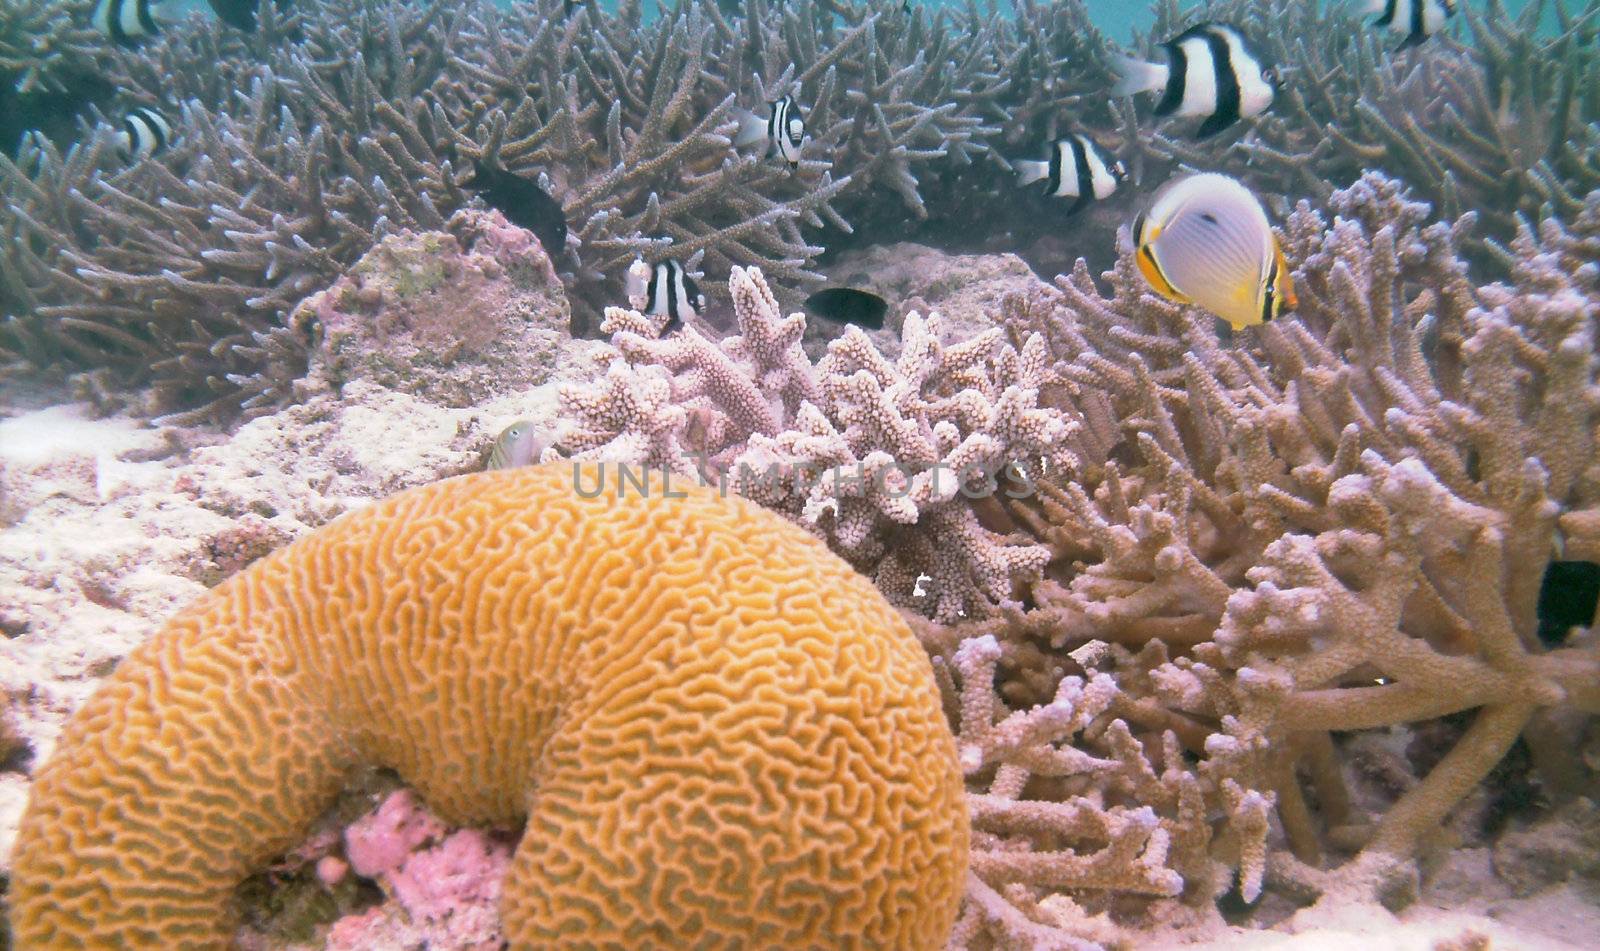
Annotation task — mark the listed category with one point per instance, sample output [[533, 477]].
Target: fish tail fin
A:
[[1291, 300], [636, 283], [752, 129], [1029, 171], [1136, 75]]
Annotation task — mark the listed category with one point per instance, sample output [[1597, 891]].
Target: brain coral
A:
[[719, 734]]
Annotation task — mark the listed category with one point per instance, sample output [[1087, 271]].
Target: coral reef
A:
[[1256, 553], [880, 457], [110, 525], [961, 288], [46, 44], [354, 122], [357, 120], [316, 680], [1504, 126], [1337, 528], [445, 324], [1232, 665]]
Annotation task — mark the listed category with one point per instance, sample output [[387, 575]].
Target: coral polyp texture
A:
[[878, 456], [719, 735]]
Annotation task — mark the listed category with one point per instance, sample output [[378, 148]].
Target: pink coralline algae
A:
[[453, 316], [443, 887]]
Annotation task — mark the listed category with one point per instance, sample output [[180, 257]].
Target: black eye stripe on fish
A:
[[1269, 292]]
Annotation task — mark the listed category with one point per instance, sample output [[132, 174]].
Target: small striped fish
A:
[[519, 444], [1209, 72]]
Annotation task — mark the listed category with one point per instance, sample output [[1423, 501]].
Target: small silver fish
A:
[[520, 444]]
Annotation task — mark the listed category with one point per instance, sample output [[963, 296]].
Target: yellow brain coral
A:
[[720, 735]]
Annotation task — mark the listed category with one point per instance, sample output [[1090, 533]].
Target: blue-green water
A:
[[1118, 18]]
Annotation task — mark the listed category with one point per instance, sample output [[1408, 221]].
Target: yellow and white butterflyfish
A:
[[1206, 241]]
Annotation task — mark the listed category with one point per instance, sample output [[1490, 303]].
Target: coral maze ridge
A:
[[719, 735]]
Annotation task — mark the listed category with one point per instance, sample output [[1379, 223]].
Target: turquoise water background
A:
[[1119, 18]]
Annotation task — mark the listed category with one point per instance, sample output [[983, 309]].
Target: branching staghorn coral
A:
[[1336, 523], [46, 44], [1256, 547], [301, 144], [887, 460], [183, 269], [1503, 126], [1074, 818]]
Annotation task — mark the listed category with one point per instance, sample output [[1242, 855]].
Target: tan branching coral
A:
[[887, 459], [1340, 520]]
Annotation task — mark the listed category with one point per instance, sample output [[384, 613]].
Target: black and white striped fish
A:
[[1210, 71], [1418, 19], [144, 133], [783, 128], [1077, 168], [125, 22], [668, 290]]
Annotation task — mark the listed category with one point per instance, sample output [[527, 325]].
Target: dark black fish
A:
[[524, 204], [239, 14], [567, 6], [1568, 596], [846, 305]]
